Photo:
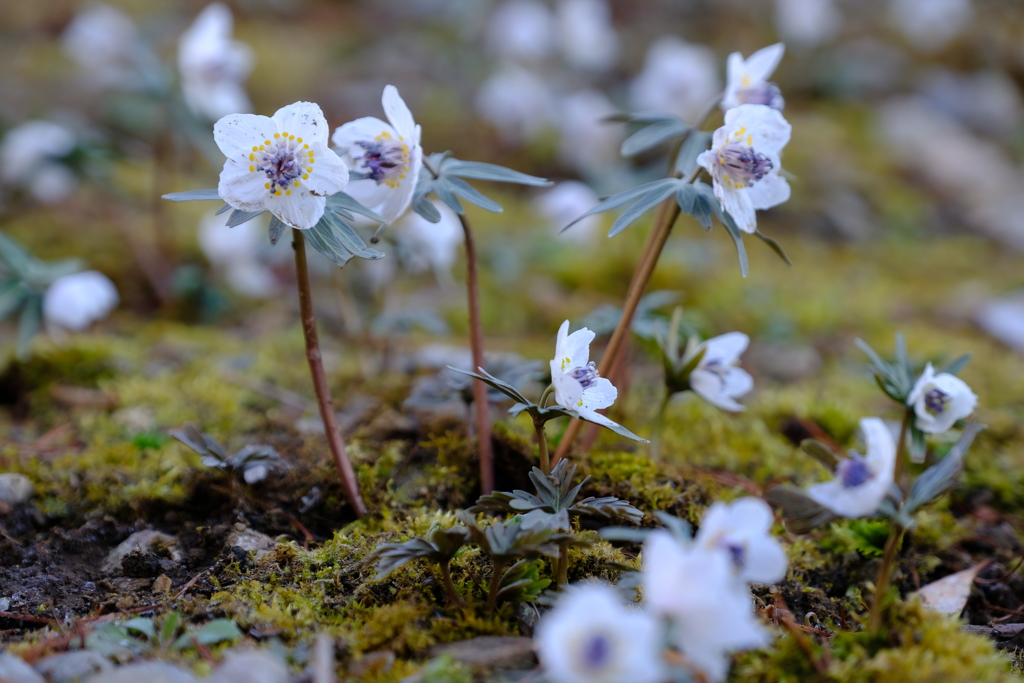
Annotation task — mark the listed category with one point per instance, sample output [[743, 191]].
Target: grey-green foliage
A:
[[445, 176], [252, 463], [449, 385], [333, 235], [437, 546], [679, 360]]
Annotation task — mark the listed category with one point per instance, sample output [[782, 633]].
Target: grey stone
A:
[[17, 671], [144, 672], [15, 489], [250, 541], [141, 542], [72, 667], [250, 667], [490, 652]]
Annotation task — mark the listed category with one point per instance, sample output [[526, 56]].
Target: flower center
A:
[[586, 375], [386, 160], [936, 400], [766, 93], [596, 652], [853, 472], [285, 160], [737, 552], [742, 166]]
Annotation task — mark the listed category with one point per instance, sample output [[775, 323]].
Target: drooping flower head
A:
[[742, 530], [939, 400], [591, 637], [280, 164], [861, 482], [712, 614], [74, 302], [717, 378], [387, 154], [744, 162], [578, 386], [30, 157], [213, 65], [747, 79]]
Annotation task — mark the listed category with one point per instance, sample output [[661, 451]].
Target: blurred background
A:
[[906, 163]]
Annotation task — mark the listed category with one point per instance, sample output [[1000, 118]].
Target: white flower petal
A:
[[726, 348], [303, 120], [299, 210], [576, 348], [761, 65], [568, 392], [330, 174], [236, 134], [398, 113], [766, 561], [241, 188], [369, 193], [768, 129], [708, 386], [769, 191], [737, 203], [600, 394]]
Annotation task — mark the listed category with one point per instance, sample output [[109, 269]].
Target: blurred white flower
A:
[[744, 162], [742, 530], [522, 30], [517, 102], [677, 78], [578, 386], [712, 614], [591, 637], [74, 302], [104, 42], [586, 35], [939, 400], [1004, 320], [29, 158], [747, 79], [807, 23], [930, 25], [564, 203], [236, 250], [387, 153], [717, 378], [281, 164], [435, 245], [861, 482], [213, 65], [587, 142]]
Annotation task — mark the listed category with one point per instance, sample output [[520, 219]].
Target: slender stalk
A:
[[901, 447], [316, 368], [547, 392], [562, 566], [658, 428], [492, 594], [449, 586], [885, 575], [542, 447], [476, 342]]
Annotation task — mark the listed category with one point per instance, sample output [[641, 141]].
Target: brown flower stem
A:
[[885, 573], [666, 218], [492, 595], [562, 566], [901, 447], [449, 586], [316, 369], [542, 447], [476, 342]]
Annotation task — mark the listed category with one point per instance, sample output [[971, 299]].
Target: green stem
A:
[[449, 586], [658, 427], [542, 447], [547, 392], [492, 595], [562, 566], [885, 573], [901, 447]]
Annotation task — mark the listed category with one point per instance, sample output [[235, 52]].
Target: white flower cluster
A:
[[697, 606]]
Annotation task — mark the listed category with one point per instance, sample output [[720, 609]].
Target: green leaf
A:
[[643, 204], [696, 142], [652, 135], [338, 241], [446, 193], [495, 383], [238, 217], [693, 202], [467, 192], [954, 366], [480, 171], [340, 201], [142, 625], [624, 197], [938, 478], [775, 246], [624, 533], [800, 512], [170, 627], [217, 631], [12, 296], [737, 238], [277, 228], [223, 209], [17, 258], [821, 453], [903, 360], [426, 208], [29, 324], [193, 196]]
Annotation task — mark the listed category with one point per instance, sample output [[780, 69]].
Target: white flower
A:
[[388, 154], [281, 164], [930, 24], [586, 141], [522, 30], [744, 162], [861, 483], [712, 614], [586, 35], [74, 302], [808, 23], [517, 102], [747, 79], [939, 400], [575, 379], [1004, 320], [677, 78], [591, 637], [29, 158], [717, 379], [435, 245], [237, 251], [564, 203], [104, 42], [742, 530], [213, 65]]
